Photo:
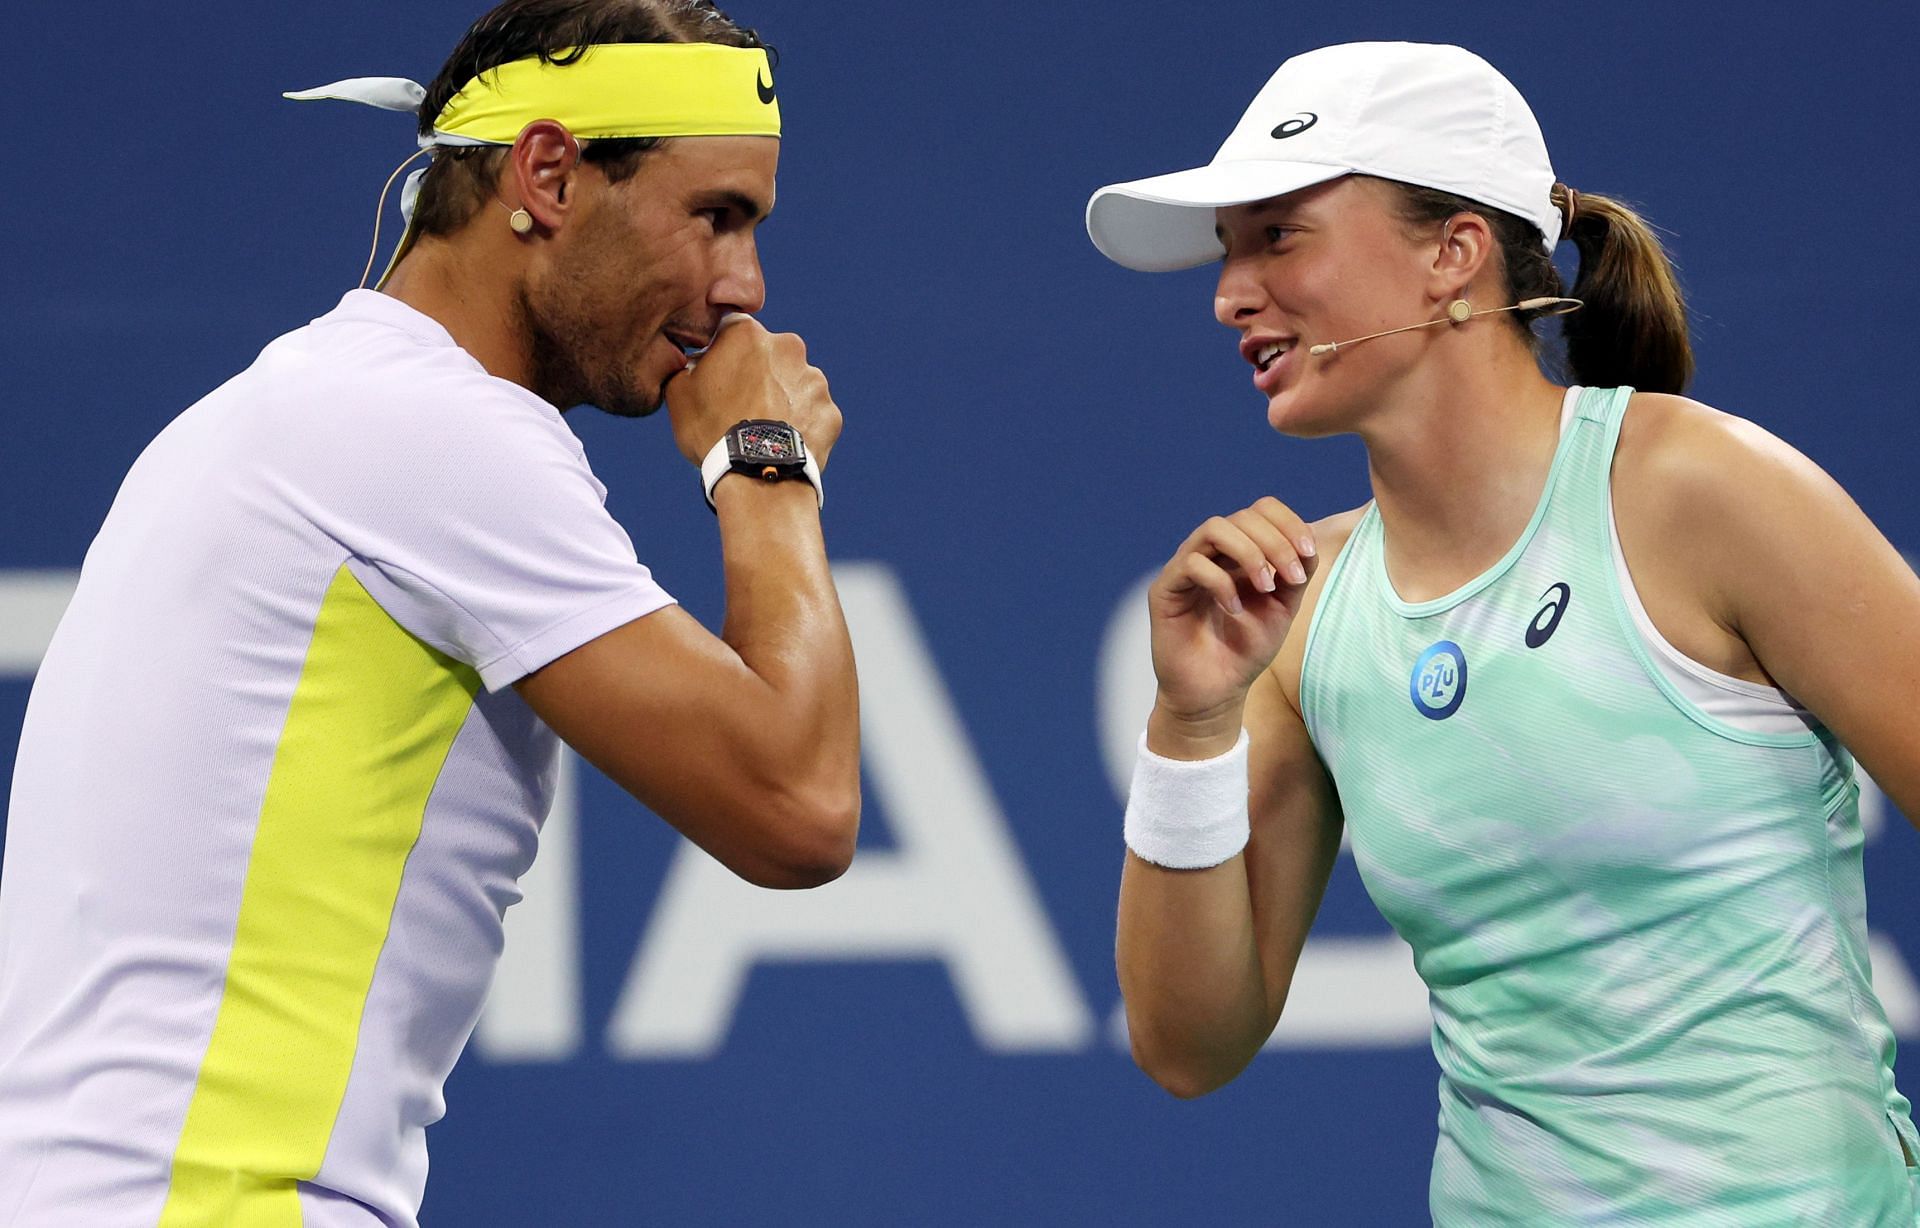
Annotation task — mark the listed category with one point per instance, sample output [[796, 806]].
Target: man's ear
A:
[[1467, 243], [541, 169]]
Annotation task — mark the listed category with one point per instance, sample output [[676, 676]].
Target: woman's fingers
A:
[[1195, 570], [1251, 565], [1261, 543], [1278, 551]]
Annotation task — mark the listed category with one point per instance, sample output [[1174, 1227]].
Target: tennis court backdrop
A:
[[935, 1039]]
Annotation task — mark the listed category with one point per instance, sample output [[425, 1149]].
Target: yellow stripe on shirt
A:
[[373, 718]]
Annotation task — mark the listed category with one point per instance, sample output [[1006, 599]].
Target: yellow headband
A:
[[620, 90], [613, 90]]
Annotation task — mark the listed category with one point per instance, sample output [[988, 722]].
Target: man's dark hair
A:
[[461, 179]]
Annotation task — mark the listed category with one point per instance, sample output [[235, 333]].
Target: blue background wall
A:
[[1030, 429]]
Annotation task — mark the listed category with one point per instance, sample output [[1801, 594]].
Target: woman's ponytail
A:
[[1633, 329]]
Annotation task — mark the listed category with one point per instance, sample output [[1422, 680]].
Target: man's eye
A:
[[1277, 233]]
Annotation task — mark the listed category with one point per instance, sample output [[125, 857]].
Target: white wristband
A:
[[1188, 814], [718, 464]]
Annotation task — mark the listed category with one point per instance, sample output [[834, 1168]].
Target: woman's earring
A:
[[1459, 311], [520, 222]]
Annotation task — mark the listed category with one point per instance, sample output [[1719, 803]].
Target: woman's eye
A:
[[1277, 233]]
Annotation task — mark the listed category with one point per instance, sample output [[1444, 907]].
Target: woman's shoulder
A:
[[1683, 463], [1330, 533], [1330, 537], [1718, 520]]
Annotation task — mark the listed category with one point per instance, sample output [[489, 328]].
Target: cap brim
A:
[[1164, 223]]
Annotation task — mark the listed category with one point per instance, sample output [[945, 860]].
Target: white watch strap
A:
[[714, 467], [719, 464]]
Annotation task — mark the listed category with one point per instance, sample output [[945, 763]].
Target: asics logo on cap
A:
[[1295, 126]]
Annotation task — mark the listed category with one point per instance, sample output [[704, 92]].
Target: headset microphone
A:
[[1459, 311]]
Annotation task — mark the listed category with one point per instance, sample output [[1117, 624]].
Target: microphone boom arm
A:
[[1458, 312]]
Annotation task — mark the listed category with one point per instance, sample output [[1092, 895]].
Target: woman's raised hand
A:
[[1221, 609]]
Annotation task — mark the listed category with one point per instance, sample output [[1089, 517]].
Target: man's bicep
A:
[[676, 718], [644, 702]]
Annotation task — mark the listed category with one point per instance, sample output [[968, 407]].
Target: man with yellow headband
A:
[[292, 744]]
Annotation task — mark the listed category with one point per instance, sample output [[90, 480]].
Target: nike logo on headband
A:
[[765, 88]]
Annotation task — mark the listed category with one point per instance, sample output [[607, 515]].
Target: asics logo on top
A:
[[765, 88], [1295, 126], [1548, 619]]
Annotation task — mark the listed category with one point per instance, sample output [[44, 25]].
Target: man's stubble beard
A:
[[571, 360]]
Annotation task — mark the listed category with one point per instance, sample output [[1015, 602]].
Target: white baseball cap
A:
[[1426, 114]]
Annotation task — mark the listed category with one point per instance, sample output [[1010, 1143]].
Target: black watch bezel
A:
[[745, 455]]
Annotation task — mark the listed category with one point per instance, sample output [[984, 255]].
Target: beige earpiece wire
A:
[[380, 210]]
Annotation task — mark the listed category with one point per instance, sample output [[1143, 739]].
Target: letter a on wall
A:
[[954, 889]]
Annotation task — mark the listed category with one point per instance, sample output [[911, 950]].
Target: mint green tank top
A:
[[1643, 930]]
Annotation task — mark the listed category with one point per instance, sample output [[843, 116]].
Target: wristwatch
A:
[[764, 450]]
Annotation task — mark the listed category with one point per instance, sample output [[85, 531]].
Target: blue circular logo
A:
[[1439, 681]]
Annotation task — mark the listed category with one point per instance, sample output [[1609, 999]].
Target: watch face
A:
[[767, 441]]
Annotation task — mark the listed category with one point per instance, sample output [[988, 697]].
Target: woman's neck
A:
[[1458, 461]]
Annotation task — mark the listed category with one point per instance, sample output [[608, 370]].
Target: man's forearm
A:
[[784, 620]]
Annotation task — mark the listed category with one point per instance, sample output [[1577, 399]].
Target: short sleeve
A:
[[468, 510]]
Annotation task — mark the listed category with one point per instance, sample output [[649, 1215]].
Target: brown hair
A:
[[461, 178], [1633, 329]]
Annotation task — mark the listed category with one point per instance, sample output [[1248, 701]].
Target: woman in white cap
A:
[[1582, 680]]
